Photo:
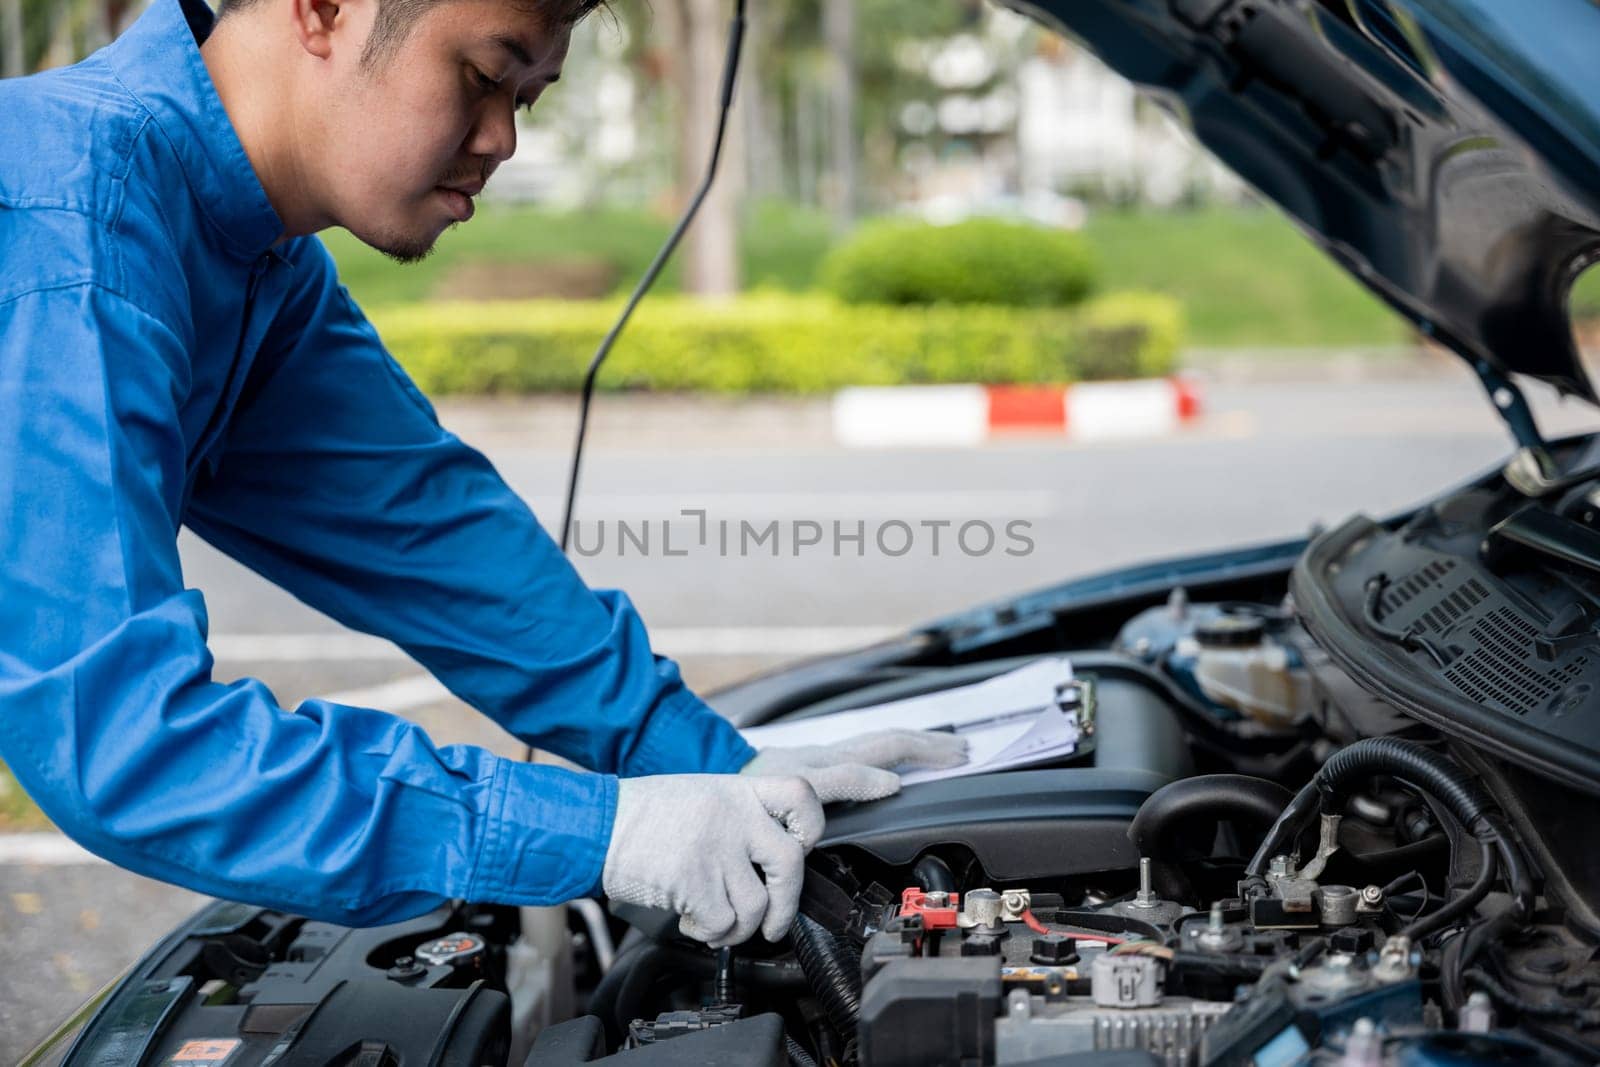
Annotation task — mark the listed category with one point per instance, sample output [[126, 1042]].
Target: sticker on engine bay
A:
[[206, 1052]]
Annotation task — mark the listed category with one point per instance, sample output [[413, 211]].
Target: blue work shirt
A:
[[166, 360]]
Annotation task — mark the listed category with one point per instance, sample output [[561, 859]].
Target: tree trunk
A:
[[697, 36], [839, 34], [12, 63], [761, 120]]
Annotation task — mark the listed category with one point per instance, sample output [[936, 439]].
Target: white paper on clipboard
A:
[[1012, 720]]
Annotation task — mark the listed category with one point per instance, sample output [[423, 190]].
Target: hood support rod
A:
[[1513, 407], [1532, 471]]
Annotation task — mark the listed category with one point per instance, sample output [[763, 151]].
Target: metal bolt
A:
[[1372, 896], [1013, 902], [936, 899], [1279, 865], [1146, 897], [1364, 1047], [1477, 1015], [1216, 936]]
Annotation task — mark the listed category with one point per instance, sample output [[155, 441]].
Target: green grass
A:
[[1246, 277], [17, 812]]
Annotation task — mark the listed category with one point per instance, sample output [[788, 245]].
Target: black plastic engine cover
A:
[[1020, 825], [1059, 822]]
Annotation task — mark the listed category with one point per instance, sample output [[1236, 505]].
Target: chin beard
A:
[[404, 250]]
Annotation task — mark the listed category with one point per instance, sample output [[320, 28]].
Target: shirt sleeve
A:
[[112, 723], [338, 483]]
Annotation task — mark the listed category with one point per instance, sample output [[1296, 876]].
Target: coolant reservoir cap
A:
[[1230, 631], [454, 948]]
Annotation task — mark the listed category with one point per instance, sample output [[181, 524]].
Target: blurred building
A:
[[1022, 122]]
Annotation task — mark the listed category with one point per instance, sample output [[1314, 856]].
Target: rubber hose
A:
[[934, 874], [1584, 1019], [798, 1056], [1354, 765], [1154, 830], [835, 982], [1216, 965], [1448, 913], [1408, 761], [1460, 952], [1515, 866], [767, 975], [1433, 774], [620, 996]]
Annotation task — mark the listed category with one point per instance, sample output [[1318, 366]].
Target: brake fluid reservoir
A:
[[1238, 666]]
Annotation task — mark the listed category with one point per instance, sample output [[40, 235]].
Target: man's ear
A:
[[314, 23]]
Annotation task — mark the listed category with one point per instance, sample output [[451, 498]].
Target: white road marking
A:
[[938, 415], [670, 640], [43, 849]]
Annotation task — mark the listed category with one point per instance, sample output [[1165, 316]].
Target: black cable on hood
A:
[[730, 70]]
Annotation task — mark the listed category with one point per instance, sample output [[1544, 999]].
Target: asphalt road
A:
[[1267, 461]]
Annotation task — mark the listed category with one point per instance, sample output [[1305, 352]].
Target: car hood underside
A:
[[1445, 152]]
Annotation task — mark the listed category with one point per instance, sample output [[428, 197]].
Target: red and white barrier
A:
[[958, 415]]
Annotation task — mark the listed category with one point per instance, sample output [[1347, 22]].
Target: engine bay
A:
[[1339, 814]]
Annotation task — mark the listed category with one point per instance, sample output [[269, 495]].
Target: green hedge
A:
[[776, 344], [981, 261]]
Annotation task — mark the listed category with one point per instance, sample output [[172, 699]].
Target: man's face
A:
[[412, 133]]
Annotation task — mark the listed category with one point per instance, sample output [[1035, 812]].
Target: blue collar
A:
[[159, 62]]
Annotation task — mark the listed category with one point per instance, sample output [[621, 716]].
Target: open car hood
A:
[[1445, 152]]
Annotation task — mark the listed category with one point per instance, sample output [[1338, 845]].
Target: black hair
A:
[[396, 17]]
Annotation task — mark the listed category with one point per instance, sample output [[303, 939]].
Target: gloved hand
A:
[[690, 843], [862, 768]]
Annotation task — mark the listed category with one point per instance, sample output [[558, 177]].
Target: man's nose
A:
[[495, 135]]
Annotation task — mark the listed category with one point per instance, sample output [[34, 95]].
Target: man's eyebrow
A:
[[514, 46]]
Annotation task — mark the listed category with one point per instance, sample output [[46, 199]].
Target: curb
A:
[[966, 415]]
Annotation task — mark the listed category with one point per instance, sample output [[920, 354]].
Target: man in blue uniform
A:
[[175, 349]]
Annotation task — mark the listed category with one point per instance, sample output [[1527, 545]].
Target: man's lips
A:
[[458, 199]]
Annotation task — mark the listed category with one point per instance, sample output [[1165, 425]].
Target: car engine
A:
[[1280, 842]]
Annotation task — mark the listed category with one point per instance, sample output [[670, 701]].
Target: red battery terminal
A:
[[938, 910]]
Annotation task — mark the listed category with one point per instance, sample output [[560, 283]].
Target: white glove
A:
[[690, 843], [862, 768]]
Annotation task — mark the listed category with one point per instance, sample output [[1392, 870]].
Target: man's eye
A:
[[483, 81]]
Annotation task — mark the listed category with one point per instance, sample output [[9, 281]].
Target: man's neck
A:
[[256, 94]]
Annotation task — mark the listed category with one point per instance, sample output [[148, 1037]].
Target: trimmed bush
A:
[[775, 344], [981, 261]]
